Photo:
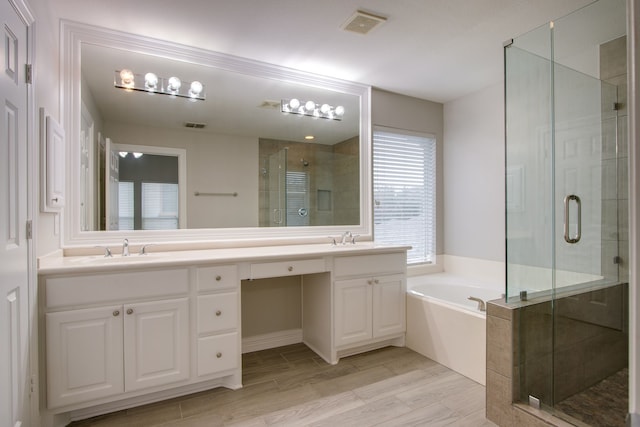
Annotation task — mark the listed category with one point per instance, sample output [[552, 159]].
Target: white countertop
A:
[[57, 264]]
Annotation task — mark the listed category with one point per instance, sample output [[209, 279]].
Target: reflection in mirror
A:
[[249, 164]]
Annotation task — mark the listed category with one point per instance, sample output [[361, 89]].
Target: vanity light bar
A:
[[151, 83], [311, 109]]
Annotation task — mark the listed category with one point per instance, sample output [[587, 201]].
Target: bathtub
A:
[[443, 325]]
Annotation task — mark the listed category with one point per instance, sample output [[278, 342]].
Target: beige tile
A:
[[391, 386], [436, 414], [435, 389], [315, 410], [352, 381], [470, 400], [499, 309], [499, 346]]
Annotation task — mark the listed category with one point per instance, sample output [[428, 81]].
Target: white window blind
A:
[[159, 206], [404, 167], [125, 205]]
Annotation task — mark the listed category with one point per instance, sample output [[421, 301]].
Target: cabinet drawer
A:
[[370, 264], [115, 287], [217, 277], [217, 353], [217, 312], [287, 268]]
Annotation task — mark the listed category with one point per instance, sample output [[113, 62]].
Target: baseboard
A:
[[271, 340]]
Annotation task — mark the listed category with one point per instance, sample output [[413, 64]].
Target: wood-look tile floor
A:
[[292, 386]]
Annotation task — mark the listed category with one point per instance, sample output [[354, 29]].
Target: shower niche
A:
[[566, 214]]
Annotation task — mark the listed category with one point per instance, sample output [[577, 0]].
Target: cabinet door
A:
[[389, 302], [84, 355], [156, 342], [352, 311]]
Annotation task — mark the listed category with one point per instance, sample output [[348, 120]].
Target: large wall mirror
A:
[[230, 166]]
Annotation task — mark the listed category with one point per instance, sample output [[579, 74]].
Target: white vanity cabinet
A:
[[218, 320], [130, 335], [369, 299]]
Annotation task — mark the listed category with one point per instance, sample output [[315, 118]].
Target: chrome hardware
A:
[[481, 304], [277, 216], [107, 251], [218, 355], [218, 278], [617, 259], [116, 313], [218, 312], [290, 268], [333, 240], [346, 236], [376, 281], [523, 295], [370, 282], [143, 249], [567, 236], [125, 247], [353, 238], [130, 311]]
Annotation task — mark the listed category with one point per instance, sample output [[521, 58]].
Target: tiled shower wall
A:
[[334, 175]]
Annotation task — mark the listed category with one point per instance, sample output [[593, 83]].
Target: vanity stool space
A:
[[121, 332]]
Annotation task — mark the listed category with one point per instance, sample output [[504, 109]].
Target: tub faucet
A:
[[481, 304], [125, 247]]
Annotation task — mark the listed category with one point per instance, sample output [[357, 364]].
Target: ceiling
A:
[[438, 50]]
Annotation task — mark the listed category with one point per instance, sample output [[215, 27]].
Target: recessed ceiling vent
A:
[[363, 22], [269, 104], [194, 125]]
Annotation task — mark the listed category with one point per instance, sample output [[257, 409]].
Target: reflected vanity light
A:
[[311, 109], [124, 154], [152, 83]]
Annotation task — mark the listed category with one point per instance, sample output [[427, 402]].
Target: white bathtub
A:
[[443, 325]]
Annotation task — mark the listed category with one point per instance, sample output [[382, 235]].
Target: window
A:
[[125, 205], [404, 191], [159, 206]]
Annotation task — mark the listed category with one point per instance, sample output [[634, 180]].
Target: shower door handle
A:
[[567, 237]]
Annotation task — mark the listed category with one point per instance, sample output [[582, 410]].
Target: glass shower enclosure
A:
[[566, 205]]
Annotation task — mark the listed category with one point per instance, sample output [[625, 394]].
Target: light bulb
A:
[[137, 155], [310, 105], [196, 89], [123, 154], [150, 81], [325, 108], [127, 78], [339, 111], [174, 84], [294, 103]]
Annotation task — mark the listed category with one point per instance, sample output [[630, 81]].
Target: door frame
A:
[[25, 12]]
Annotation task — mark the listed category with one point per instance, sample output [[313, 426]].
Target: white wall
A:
[[474, 175], [215, 164]]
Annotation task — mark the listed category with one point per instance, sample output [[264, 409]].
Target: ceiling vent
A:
[[269, 104], [193, 125], [363, 22]]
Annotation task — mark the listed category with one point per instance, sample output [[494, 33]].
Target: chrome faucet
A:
[[481, 304], [125, 247], [346, 235]]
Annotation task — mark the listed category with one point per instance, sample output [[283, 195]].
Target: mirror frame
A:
[[74, 34]]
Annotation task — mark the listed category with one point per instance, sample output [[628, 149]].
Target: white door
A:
[[156, 342], [14, 257], [84, 355], [112, 179], [353, 311], [388, 305]]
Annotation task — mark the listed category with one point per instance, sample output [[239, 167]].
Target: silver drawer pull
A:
[[218, 355], [376, 281], [130, 311], [218, 312], [290, 268], [370, 282], [218, 278], [116, 313]]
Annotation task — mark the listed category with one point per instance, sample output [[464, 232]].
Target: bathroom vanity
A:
[[124, 331]]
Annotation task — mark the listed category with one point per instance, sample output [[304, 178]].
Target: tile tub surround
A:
[[291, 386]]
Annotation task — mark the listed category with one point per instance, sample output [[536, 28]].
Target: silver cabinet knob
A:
[[218, 312], [218, 278], [290, 268], [116, 313], [130, 311], [218, 355], [376, 281], [370, 282]]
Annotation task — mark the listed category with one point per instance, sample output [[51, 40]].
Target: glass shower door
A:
[[278, 189]]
